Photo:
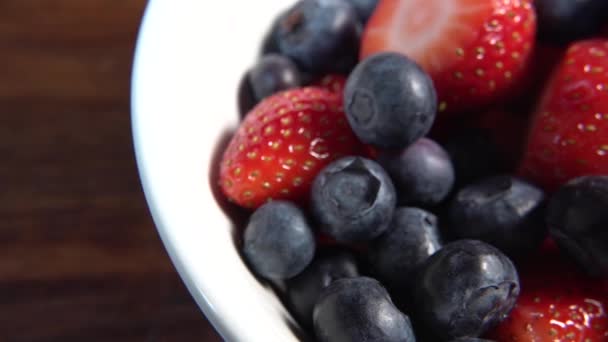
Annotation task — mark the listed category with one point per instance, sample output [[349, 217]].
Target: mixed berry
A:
[[431, 170]]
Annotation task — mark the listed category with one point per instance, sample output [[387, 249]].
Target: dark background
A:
[[80, 259]]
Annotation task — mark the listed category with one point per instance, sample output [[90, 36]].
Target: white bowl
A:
[[189, 59]]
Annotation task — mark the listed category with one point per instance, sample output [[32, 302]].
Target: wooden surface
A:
[[80, 259]]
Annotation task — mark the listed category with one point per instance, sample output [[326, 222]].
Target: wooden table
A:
[[80, 259]]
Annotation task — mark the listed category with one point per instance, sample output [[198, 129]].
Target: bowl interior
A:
[[190, 57]]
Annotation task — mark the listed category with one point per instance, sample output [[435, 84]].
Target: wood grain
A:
[[80, 259]]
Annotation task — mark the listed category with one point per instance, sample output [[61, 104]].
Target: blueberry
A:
[[321, 36], [464, 289], [304, 289], [504, 211], [353, 199], [411, 239], [359, 309], [278, 242], [270, 44], [564, 21], [422, 173], [474, 157], [246, 99], [577, 217], [364, 8], [271, 74], [390, 101], [470, 339]]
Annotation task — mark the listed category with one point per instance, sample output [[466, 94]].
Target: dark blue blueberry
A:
[[246, 99], [577, 216], [422, 173], [464, 289], [364, 8], [304, 289], [278, 241], [411, 239], [390, 101], [470, 339], [359, 309], [503, 211], [353, 199], [474, 157], [564, 21], [271, 74], [270, 44], [321, 36]]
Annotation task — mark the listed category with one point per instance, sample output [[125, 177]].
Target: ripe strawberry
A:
[[475, 50], [335, 83], [569, 132], [556, 303], [282, 144]]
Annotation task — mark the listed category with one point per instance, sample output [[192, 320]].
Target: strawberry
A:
[[335, 83], [556, 303], [282, 144], [474, 50], [568, 136]]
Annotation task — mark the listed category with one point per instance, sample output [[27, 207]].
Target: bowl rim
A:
[[153, 209], [265, 319]]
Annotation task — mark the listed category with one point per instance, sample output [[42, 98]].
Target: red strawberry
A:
[[282, 144], [556, 303], [475, 50], [569, 132], [335, 83]]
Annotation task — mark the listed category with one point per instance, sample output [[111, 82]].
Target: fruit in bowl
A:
[[384, 180]]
